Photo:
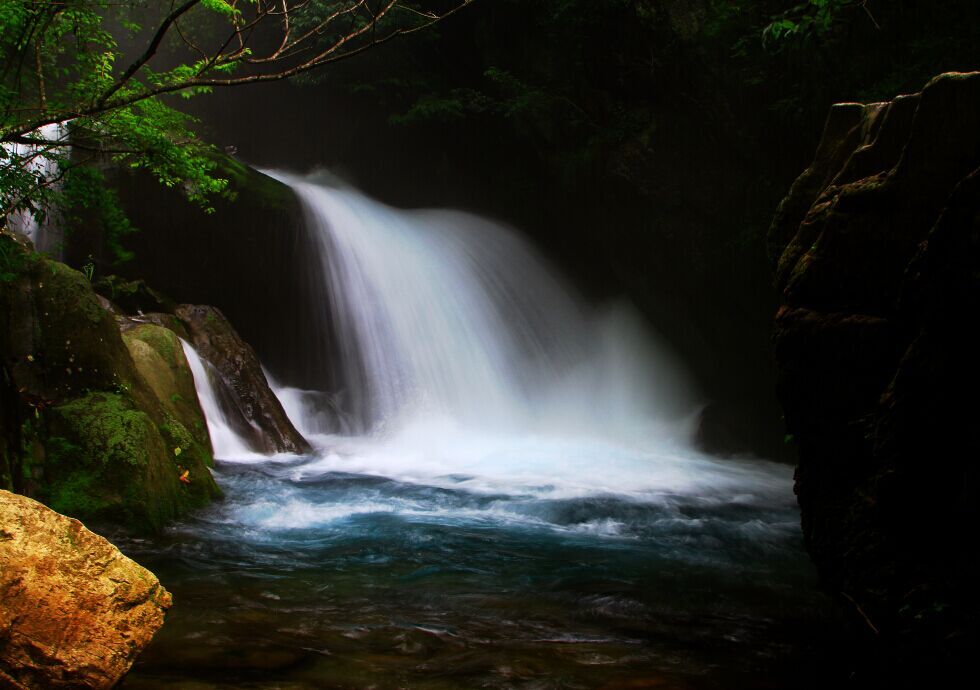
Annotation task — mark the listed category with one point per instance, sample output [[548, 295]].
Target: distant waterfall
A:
[[443, 314], [45, 235]]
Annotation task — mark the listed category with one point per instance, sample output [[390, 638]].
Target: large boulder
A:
[[877, 253], [89, 428], [74, 611], [243, 390]]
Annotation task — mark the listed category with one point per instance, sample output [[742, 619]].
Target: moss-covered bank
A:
[[97, 425]]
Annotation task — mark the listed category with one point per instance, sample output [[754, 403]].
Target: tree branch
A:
[[150, 51]]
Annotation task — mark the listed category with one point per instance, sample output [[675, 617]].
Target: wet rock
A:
[[85, 429], [878, 247], [244, 394], [159, 359], [74, 612]]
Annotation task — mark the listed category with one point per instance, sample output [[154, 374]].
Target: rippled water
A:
[[310, 575], [516, 503]]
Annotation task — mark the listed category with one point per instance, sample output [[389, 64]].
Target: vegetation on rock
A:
[[87, 427]]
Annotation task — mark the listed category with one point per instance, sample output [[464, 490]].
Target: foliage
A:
[[89, 83], [13, 259], [59, 66], [581, 83], [811, 19]]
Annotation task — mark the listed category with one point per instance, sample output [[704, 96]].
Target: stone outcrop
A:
[[243, 392], [95, 425], [247, 258], [74, 611], [877, 253]]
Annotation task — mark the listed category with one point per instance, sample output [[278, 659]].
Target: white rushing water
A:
[[470, 365], [440, 313], [45, 235], [225, 441]]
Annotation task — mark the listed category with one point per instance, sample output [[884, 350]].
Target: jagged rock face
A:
[[245, 394], [877, 253], [74, 612]]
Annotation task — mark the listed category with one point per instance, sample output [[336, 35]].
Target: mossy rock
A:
[[56, 338], [97, 427], [249, 183], [159, 359], [106, 459]]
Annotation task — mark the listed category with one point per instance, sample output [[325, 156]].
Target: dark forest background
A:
[[642, 144]]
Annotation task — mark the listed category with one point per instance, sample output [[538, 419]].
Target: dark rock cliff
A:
[[876, 250]]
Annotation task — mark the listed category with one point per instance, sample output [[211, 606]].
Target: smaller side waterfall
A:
[[225, 441]]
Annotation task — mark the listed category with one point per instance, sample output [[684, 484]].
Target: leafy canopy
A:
[[86, 82]]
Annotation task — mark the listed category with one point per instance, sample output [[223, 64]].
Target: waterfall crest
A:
[[444, 315]]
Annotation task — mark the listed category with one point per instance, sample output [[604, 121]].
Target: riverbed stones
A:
[[74, 611]]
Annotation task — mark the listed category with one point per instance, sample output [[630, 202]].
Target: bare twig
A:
[[857, 606]]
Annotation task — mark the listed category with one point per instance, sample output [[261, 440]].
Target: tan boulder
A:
[[74, 611]]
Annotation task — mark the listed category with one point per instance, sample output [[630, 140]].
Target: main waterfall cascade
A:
[[465, 356], [503, 494]]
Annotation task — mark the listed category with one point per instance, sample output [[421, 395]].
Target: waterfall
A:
[[444, 315], [45, 235], [225, 442]]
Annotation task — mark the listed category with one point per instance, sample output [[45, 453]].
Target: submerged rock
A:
[[876, 251], [245, 394], [74, 611]]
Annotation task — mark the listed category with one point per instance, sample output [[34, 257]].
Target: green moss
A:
[[176, 434], [60, 450], [14, 259], [250, 184], [109, 427], [163, 340], [80, 495], [104, 463], [192, 453]]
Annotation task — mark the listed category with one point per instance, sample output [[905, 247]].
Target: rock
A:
[[74, 611], [236, 258], [88, 427], [133, 296], [56, 338], [244, 392], [878, 248], [159, 359]]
